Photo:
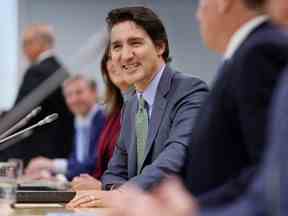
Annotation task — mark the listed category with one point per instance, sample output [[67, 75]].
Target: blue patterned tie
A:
[[141, 131]]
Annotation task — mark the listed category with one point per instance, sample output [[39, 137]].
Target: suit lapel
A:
[[133, 141], [158, 111]]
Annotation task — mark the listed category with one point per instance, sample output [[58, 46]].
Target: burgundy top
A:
[[107, 142]]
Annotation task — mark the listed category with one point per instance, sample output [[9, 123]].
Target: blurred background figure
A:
[[54, 140], [115, 88], [89, 117]]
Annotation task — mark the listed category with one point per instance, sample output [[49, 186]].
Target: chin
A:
[[132, 79]]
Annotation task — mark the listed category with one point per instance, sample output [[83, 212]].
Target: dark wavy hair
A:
[[146, 19], [113, 97]]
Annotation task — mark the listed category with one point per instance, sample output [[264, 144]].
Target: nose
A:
[[127, 54]]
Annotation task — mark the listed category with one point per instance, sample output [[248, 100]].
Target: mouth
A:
[[130, 68]]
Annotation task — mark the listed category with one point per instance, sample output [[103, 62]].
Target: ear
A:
[[160, 48], [223, 6]]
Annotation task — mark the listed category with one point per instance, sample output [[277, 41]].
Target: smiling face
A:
[[80, 97], [134, 54]]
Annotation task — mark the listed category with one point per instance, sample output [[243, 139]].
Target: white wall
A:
[[8, 52]]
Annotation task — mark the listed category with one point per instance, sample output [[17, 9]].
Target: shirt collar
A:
[[86, 120], [240, 36], [46, 54], [150, 92]]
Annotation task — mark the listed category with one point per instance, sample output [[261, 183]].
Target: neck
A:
[[82, 115], [143, 84], [232, 28], [140, 87], [124, 87], [85, 114]]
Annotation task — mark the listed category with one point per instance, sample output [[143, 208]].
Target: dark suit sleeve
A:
[[171, 159]]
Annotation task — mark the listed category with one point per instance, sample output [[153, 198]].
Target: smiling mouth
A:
[[130, 68]]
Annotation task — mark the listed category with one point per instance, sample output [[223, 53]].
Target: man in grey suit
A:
[[268, 193], [161, 112]]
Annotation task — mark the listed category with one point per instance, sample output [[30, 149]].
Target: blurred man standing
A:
[[81, 97], [52, 140]]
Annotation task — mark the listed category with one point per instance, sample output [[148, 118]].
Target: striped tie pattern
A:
[[141, 131]]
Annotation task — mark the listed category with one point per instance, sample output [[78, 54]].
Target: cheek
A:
[[116, 63], [283, 13], [115, 56], [75, 100], [33, 49], [29, 52], [70, 104], [113, 78], [278, 11]]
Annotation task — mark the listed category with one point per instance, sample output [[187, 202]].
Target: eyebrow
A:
[[129, 39], [135, 38]]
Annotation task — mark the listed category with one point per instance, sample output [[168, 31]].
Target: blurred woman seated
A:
[[116, 91]]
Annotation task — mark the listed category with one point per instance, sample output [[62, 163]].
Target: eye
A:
[[116, 47], [136, 43]]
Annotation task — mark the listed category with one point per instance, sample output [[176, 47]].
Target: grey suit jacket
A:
[[177, 102]]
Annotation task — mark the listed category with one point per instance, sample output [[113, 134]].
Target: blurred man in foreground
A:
[[229, 136]]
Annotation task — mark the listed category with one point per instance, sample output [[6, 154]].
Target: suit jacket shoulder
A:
[[182, 82]]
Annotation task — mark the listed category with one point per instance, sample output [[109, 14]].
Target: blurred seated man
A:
[[80, 95]]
